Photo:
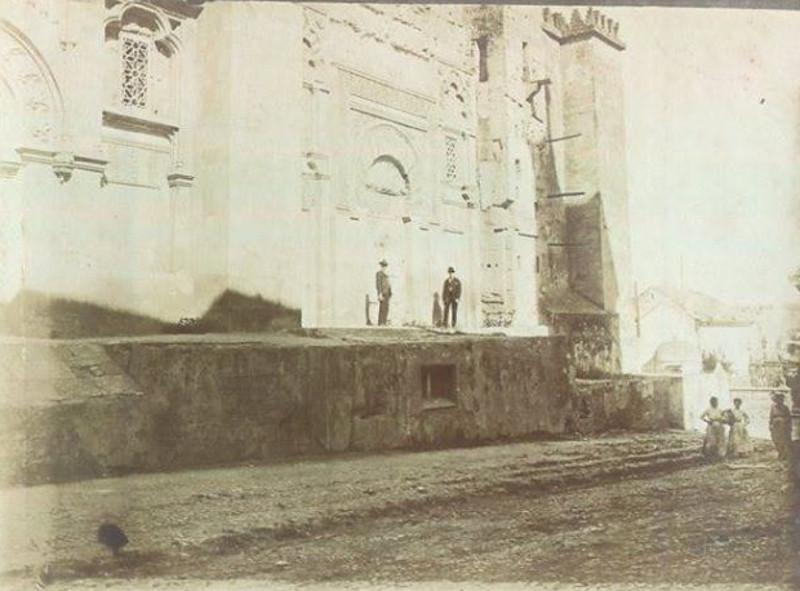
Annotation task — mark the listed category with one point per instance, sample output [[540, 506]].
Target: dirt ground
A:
[[627, 513]]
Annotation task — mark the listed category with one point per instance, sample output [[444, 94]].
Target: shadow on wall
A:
[[236, 312], [34, 314]]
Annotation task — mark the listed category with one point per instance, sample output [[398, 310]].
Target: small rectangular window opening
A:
[[439, 383]]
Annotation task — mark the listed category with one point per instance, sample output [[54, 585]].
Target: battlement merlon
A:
[[578, 28]]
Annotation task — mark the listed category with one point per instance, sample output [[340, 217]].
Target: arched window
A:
[[141, 67], [387, 177]]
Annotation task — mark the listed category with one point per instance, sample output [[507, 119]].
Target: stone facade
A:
[[156, 153]]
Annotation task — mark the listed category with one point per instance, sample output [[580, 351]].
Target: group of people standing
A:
[[738, 439], [451, 295]]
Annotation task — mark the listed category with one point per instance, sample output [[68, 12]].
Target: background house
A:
[[700, 323]]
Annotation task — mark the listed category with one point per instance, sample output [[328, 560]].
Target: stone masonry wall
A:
[[593, 343], [629, 402], [151, 406]]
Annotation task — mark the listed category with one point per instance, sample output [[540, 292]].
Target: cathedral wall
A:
[[95, 202], [393, 90], [250, 147], [166, 153]]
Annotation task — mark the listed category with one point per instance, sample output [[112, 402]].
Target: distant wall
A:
[[593, 341], [629, 402], [144, 406]]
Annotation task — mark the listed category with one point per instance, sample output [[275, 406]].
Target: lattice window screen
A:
[[450, 158], [135, 67]]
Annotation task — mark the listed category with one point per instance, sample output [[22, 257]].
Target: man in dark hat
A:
[[384, 289], [780, 426], [451, 294]]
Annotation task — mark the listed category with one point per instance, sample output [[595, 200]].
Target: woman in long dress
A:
[[739, 443], [714, 444]]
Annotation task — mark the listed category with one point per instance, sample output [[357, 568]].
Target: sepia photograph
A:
[[317, 296]]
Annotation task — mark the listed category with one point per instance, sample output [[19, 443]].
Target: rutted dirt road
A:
[[626, 511]]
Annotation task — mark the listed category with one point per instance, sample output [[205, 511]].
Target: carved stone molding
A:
[[180, 179], [63, 163], [37, 99], [166, 17], [9, 169], [385, 93]]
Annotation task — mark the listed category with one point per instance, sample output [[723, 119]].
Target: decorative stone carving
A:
[[315, 165], [180, 179], [35, 94], [593, 24], [385, 94], [314, 24], [63, 163], [456, 94], [165, 19]]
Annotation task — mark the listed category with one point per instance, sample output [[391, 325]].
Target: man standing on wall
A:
[[384, 293], [451, 294]]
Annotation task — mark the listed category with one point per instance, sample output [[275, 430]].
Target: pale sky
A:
[[713, 134]]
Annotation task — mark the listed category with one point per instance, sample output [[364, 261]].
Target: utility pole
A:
[[791, 372]]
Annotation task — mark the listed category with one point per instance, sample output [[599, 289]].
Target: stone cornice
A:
[[148, 125]]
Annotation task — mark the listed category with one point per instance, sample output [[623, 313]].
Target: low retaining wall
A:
[[117, 407], [629, 402]]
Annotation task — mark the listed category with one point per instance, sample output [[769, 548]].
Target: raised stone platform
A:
[[90, 407]]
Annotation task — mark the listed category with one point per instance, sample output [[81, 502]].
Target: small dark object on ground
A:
[[112, 536]]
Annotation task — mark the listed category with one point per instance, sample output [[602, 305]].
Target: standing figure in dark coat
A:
[[384, 290], [780, 425], [451, 294]]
